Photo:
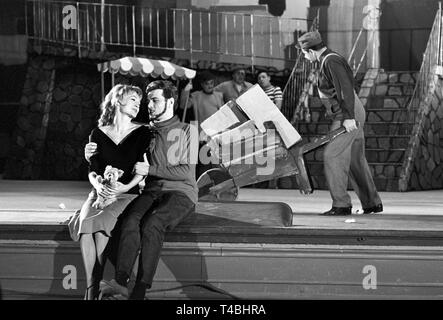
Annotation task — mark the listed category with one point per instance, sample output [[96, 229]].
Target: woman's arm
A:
[[95, 181]]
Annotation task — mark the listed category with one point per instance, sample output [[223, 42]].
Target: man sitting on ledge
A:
[[169, 196]]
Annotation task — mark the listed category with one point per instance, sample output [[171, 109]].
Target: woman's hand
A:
[[101, 190], [90, 150]]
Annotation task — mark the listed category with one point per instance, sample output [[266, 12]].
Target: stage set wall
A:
[[404, 29]]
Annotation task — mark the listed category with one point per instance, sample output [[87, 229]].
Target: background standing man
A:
[[232, 89], [205, 102], [273, 92], [344, 157]]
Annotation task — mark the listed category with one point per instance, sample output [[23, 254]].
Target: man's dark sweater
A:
[[169, 156], [337, 82]]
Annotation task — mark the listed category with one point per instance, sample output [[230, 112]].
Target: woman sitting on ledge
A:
[[120, 144]]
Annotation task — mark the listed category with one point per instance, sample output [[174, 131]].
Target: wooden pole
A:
[[102, 37]]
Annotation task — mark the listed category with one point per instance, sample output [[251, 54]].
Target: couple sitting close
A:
[[134, 223]]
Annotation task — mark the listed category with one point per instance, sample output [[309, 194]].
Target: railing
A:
[[304, 75], [295, 92], [176, 30], [354, 60], [432, 59]]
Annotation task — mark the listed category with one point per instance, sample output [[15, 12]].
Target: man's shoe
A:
[[338, 211], [375, 209], [112, 288]]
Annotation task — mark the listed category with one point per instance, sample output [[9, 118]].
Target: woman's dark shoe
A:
[[374, 209], [92, 292], [338, 211]]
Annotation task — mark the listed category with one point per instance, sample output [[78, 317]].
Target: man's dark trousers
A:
[[146, 220]]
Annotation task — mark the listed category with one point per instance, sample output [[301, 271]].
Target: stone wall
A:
[[74, 112], [28, 141], [423, 166], [58, 109]]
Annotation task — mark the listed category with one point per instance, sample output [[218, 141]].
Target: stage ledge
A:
[[254, 222], [189, 270]]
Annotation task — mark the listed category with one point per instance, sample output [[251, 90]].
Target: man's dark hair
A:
[[206, 76], [265, 72], [169, 90]]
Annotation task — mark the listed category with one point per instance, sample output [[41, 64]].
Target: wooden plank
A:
[[257, 105], [220, 121], [271, 214]]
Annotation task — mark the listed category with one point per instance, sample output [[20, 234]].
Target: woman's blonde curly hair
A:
[[108, 105]]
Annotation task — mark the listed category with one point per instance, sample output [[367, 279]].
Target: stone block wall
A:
[[28, 141], [74, 112], [58, 109], [423, 166]]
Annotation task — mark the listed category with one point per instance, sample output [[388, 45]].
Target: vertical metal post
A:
[[42, 19], [243, 35], [150, 27], [26, 18], [270, 36], [143, 26], [56, 24], [190, 38], [167, 31], [201, 30], [209, 32], [87, 23], [112, 79], [439, 57], [226, 33], [34, 18], [102, 73], [234, 41], [174, 29], [252, 43], [95, 27], [110, 26], [133, 29], [158, 28], [102, 37], [126, 25], [218, 30], [118, 24], [280, 44], [78, 31]]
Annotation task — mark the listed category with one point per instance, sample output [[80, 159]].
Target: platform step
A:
[[380, 102], [53, 270], [372, 155]]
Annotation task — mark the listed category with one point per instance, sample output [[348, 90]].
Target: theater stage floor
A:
[[24, 201], [53, 202]]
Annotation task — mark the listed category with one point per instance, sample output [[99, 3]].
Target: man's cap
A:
[[308, 40]]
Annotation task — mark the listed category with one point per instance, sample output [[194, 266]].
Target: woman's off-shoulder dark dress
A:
[[122, 156]]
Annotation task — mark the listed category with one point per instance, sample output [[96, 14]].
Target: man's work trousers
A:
[[147, 219], [344, 157]]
